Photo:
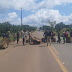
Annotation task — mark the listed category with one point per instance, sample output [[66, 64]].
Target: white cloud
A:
[[52, 3], [41, 16], [12, 18], [12, 15], [16, 4], [31, 4]]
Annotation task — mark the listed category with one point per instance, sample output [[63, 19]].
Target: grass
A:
[[1, 38], [11, 37]]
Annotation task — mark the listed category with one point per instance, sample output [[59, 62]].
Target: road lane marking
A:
[[58, 60], [55, 50]]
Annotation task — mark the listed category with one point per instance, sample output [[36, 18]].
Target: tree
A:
[[5, 27], [52, 23], [45, 27], [59, 26]]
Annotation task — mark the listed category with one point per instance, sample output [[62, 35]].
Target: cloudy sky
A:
[[36, 12]]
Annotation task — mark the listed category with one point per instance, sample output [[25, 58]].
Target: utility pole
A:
[[21, 18]]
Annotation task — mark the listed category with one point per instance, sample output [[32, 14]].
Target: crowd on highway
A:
[[24, 36], [16, 36], [48, 36]]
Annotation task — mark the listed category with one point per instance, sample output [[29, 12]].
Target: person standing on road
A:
[[48, 37], [66, 34], [64, 37], [59, 40], [52, 36], [45, 36], [7, 35], [71, 35], [23, 36], [17, 37], [3, 35]]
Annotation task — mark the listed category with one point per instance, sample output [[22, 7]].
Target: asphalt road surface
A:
[[37, 58], [64, 52]]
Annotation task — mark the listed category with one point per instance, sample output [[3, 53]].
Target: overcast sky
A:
[[36, 12]]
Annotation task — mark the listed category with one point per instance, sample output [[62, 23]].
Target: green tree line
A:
[[57, 27], [6, 26]]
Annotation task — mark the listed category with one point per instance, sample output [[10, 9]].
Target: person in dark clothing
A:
[[3, 35], [59, 40], [17, 37], [7, 35], [48, 37], [71, 35], [45, 36], [64, 37], [52, 36], [23, 36]]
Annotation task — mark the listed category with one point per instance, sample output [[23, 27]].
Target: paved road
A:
[[64, 52], [32, 58]]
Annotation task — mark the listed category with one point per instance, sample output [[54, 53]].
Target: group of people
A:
[[5, 35], [67, 34], [49, 36], [24, 36], [16, 36]]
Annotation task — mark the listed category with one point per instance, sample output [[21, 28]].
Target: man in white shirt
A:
[[26, 35]]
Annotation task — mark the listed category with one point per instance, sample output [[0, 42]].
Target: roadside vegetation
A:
[[1, 38], [58, 27], [7, 27]]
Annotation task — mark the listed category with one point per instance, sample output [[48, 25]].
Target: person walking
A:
[[17, 37], [23, 36], [48, 37]]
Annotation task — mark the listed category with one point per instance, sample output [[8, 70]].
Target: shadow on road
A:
[[43, 46], [2, 48]]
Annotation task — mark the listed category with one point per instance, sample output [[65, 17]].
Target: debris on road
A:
[[36, 40], [54, 40], [68, 40], [4, 43], [43, 39]]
